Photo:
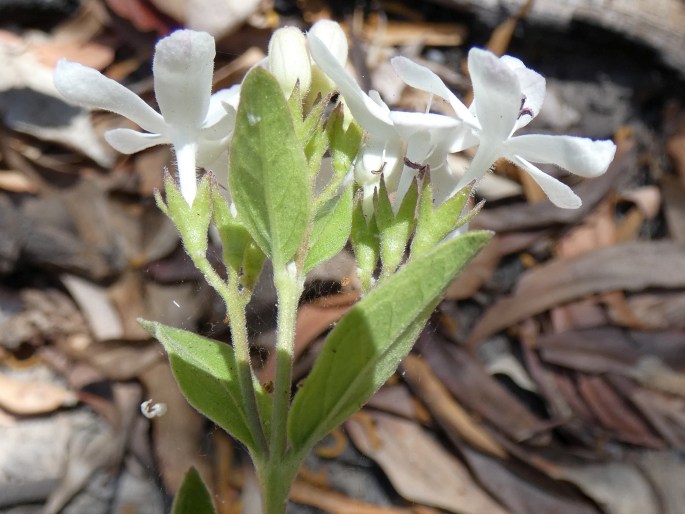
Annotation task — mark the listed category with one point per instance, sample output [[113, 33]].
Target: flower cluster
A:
[[397, 145]]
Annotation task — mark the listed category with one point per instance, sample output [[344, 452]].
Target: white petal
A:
[[559, 193], [368, 114], [182, 69], [418, 147], [444, 182], [496, 93], [379, 155], [532, 88], [219, 167], [131, 141], [579, 155], [487, 154], [423, 78], [89, 88], [441, 129], [333, 36], [208, 151], [217, 110]]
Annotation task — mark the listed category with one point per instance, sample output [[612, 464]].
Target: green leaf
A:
[[332, 226], [269, 179], [206, 372], [193, 496], [365, 244], [432, 224], [369, 342]]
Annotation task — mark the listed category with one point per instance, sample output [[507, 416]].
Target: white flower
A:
[[196, 123], [390, 136], [507, 95]]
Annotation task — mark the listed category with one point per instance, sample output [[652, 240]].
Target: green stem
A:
[[276, 477], [235, 308], [289, 286], [236, 302]]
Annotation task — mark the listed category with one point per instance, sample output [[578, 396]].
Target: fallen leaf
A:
[[451, 416], [337, 503], [524, 490], [30, 397], [673, 191], [617, 487], [420, 470], [626, 267], [477, 391]]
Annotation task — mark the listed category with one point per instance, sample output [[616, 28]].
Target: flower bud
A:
[[289, 59]]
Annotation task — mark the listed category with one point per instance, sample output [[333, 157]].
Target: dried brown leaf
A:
[[451, 416], [29, 397], [628, 267], [420, 469]]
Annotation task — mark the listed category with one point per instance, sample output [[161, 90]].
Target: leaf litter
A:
[[550, 380]]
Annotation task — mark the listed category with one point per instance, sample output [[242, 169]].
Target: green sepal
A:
[[343, 143], [368, 343], [193, 221], [269, 179], [240, 252], [193, 496], [434, 224], [313, 121], [234, 236], [294, 103], [395, 229], [365, 245], [315, 150], [206, 372], [253, 262], [331, 229]]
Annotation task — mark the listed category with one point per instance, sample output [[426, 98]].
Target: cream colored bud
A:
[[289, 59]]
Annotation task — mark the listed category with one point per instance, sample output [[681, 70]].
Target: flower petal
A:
[[216, 110], [418, 147], [558, 193], [379, 155], [496, 94], [441, 129], [422, 78], [444, 181], [131, 141], [579, 155], [533, 88], [368, 114], [89, 88], [487, 154], [333, 36], [182, 69]]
